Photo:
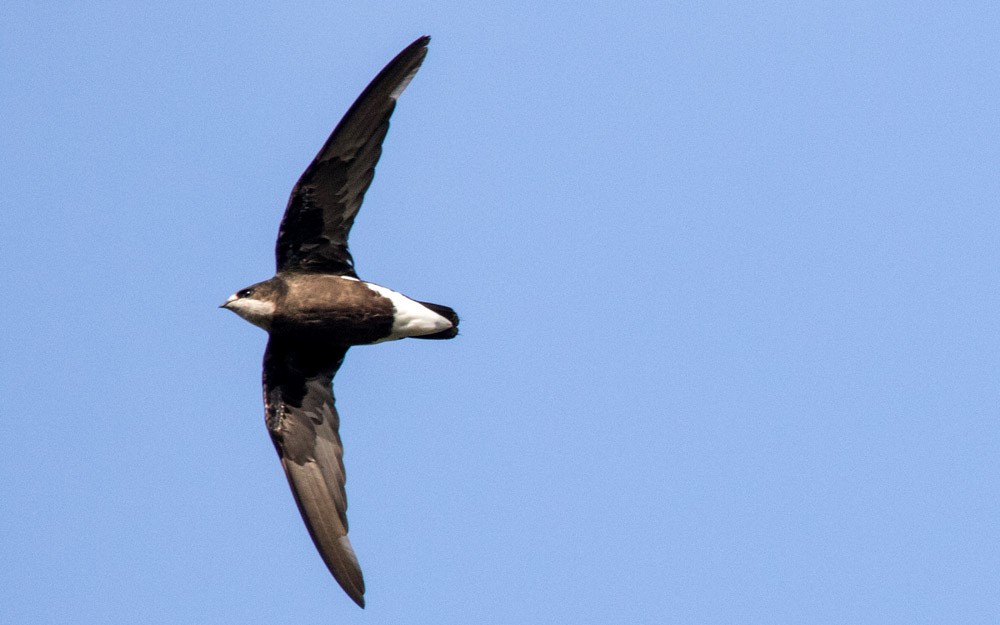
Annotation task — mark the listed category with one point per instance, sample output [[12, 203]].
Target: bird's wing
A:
[[303, 422], [325, 200]]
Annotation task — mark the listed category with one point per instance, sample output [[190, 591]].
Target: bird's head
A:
[[256, 303]]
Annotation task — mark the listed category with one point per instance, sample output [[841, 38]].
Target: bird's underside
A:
[[315, 308]]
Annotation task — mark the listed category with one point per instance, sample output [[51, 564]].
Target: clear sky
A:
[[729, 276]]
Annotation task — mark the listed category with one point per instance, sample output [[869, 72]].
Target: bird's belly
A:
[[351, 312], [333, 325]]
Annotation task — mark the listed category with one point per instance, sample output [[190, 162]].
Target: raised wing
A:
[[303, 422], [326, 199]]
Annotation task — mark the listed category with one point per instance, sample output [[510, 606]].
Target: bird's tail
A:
[[448, 314]]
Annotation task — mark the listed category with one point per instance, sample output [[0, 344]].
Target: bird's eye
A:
[[244, 293]]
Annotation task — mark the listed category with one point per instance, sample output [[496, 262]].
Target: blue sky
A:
[[728, 275]]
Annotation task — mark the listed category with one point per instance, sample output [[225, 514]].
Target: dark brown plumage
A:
[[315, 308], [326, 199]]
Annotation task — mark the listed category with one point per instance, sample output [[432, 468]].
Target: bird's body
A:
[[339, 309], [315, 308]]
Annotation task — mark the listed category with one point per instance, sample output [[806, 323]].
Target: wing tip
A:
[[418, 48], [358, 599], [357, 595], [350, 577], [416, 52]]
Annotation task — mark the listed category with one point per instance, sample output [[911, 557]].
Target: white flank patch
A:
[[410, 318]]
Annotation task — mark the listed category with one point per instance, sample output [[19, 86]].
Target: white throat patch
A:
[[255, 311]]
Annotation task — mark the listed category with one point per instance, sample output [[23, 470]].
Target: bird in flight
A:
[[315, 308]]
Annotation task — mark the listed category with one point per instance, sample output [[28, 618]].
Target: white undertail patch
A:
[[410, 318]]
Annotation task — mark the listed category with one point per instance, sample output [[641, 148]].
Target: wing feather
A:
[[325, 200], [303, 422]]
